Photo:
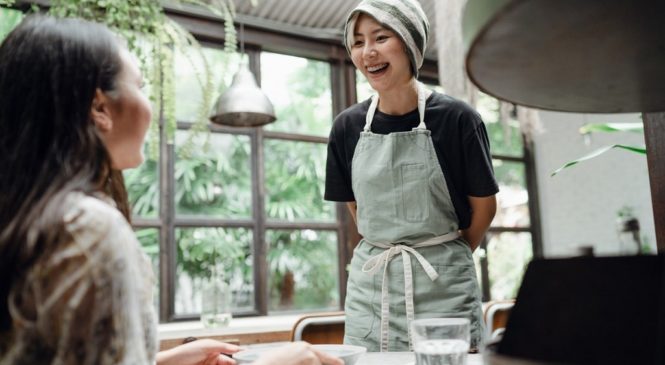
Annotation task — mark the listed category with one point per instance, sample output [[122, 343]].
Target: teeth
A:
[[377, 68]]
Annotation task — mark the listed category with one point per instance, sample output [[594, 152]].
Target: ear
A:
[[100, 112]]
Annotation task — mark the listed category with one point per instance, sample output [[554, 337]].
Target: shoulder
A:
[[453, 113], [351, 119], [92, 214], [97, 226]]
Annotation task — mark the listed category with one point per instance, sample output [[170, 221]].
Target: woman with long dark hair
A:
[[76, 287]]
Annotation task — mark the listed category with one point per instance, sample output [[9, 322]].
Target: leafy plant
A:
[[608, 128], [8, 19], [154, 37]]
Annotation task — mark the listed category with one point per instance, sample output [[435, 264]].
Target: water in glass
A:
[[441, 352]]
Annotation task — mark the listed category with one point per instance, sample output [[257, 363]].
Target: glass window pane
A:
[[303, 270], [214, 180], [9, 19], [149, 239], [143, 185], [363, 89], [295, 175], [299, 89], [507, 257], [189, 76], [504, 140], [199, 249], [513, 198]]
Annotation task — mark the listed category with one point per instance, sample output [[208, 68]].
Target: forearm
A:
[[353, 208], [482, 213], [166, 357]]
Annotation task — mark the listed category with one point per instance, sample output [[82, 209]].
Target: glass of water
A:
[[440, 341]]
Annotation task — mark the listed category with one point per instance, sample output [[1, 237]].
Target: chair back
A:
[[496, 315], [320, 328]]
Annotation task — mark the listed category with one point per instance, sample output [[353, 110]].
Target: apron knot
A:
[[382, 260]]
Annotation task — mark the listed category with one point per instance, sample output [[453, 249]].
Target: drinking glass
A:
[[441, 341]]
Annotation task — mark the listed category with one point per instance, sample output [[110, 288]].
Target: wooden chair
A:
[[496, 315], [320, 328]]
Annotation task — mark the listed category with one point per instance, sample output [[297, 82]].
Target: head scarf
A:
[[404, 17]]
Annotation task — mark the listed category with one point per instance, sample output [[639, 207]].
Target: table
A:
[[404, 358]]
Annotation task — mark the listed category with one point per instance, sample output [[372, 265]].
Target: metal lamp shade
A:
[[243, 104], [569, 55]]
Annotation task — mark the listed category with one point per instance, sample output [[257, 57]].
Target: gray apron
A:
[[405, 210]]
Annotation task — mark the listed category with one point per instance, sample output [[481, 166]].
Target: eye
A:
[[357, 43], [382, 38]]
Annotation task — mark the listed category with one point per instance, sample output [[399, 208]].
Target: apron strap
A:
[[423, 93], [374, 264]]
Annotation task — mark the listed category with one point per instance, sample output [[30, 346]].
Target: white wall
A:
[[579, 205]]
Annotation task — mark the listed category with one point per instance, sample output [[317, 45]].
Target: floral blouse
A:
[[90, 300]]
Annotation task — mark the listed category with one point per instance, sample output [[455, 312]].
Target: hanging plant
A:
[[155, 38]]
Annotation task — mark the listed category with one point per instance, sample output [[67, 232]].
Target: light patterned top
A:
[[90, 300]]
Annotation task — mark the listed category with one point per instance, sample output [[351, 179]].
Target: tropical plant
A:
[[8, 19], [154, 37], [589, 128]]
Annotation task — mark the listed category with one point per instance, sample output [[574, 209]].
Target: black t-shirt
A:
[[459, 137]]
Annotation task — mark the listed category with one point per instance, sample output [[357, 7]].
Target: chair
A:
[[320, 328], [496, 316]]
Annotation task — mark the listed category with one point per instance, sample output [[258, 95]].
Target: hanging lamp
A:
[[243, 104]]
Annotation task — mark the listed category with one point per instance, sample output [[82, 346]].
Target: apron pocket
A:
[[415, 192]]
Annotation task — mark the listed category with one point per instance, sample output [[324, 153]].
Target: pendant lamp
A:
[[569, 55], [243, 104]]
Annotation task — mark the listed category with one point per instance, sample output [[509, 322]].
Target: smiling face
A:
[[380, 55]]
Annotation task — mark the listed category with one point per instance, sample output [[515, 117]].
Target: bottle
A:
[[216, 300]]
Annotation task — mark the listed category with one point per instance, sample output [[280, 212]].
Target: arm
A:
[[353, 209], [298, 353], [199, 352], [482, 213]]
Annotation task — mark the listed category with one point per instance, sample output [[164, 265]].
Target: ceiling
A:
[[318, 19]]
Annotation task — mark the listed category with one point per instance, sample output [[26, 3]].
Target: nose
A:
[[369, 51]]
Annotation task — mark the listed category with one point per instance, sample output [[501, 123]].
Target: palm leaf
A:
[[600, 151], [612, 127]]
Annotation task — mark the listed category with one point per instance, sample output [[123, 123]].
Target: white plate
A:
[[350, 354]]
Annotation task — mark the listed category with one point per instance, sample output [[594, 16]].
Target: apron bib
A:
[[405, 211]]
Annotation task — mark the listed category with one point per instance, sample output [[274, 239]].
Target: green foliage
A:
[[607, 128], [311, 258], [505, 136], [8, 19], [216, 182], [611, 127], [201, 249], [296, 172], [303, 105], [143, 22]]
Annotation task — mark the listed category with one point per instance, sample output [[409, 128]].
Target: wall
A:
[[579, 205]]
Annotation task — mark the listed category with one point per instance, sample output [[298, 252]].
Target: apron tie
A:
[[374, 264]]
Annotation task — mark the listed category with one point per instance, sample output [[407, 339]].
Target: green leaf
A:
[[612, 127], [600, 151]]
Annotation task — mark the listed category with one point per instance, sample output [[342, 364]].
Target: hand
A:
[[298, 353], [199, 352]]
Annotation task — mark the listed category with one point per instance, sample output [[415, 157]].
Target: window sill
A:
[[241, 330]]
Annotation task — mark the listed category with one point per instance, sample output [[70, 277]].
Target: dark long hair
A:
[[50, 70]]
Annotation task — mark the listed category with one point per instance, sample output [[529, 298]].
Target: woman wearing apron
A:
[[415, 169]]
